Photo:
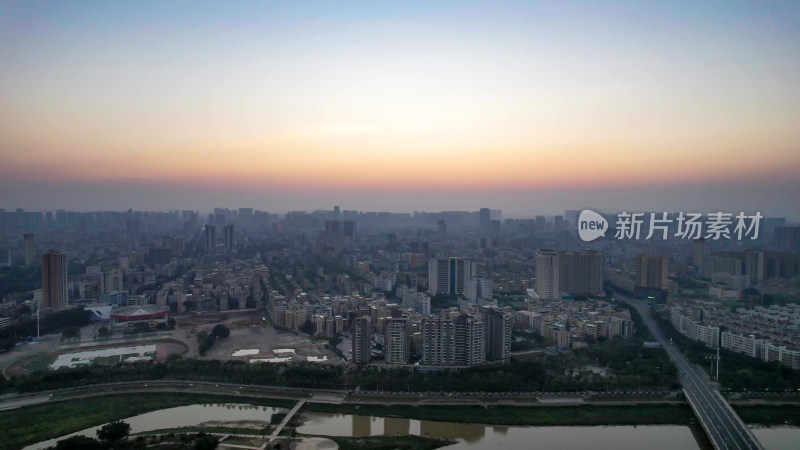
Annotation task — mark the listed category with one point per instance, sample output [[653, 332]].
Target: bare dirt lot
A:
[[40, 361], [248, 331]]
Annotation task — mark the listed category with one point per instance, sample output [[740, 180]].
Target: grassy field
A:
[[42, 363], [29, 425], [631, 399], [769, 415], [225, 430]]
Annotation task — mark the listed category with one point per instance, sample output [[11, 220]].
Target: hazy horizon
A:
[[529, 108], [748, 198]]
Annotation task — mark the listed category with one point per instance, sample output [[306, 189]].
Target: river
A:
[[468, 436]]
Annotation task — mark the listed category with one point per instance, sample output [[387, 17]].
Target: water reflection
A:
[[396, 425], [658, 437], [361, 426], [500, 429], [450, 430]]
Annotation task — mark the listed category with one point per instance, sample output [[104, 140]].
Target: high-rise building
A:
[[558, 224], [781, 264], [755, 266], [333, 228], [442, 226], [30, 249], [245, 214], [175, 246], [652, 271], [453, 342], [219, 217], [110, 281], [475, 288], [699, 253], [5, 256], [541, 223], [485, 217], [571, 217], [211, 238], [419, 301], [133, 226], [494, 227], [787, 239], [730, 263], [229, 238], [362, 340], [580, 272], [470, 346], [547, 282], [498, 326], [438, 342], [396, 348], [447, 275], [349, 229], [54, 280]]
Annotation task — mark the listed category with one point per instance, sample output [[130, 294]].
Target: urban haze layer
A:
[[417, 312]]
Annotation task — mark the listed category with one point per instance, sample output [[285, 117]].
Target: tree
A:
[[205, 442], [114, 431], [71, 333], [220, 331], [307, 327], [205, 342], [79, 443]]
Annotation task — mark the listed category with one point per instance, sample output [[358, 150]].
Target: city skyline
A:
[[528, 108]]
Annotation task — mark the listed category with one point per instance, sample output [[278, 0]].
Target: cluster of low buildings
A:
[[570, 324], [404, 332], [767, 333], [327, 314]]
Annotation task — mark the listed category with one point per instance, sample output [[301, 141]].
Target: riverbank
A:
[[33, 424]]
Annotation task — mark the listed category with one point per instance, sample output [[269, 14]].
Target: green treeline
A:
[[737, 372], [629, 366], [57, 322]]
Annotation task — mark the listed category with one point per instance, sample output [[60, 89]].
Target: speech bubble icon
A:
[[591, 225]]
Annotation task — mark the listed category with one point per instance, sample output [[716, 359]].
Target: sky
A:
[[529, 107]]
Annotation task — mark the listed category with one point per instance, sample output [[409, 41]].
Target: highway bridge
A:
[[725, 429]]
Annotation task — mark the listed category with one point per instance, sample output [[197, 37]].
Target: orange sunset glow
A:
[[454, 99]]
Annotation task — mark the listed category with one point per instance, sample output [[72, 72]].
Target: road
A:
[[724, 427], [329, 396]]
